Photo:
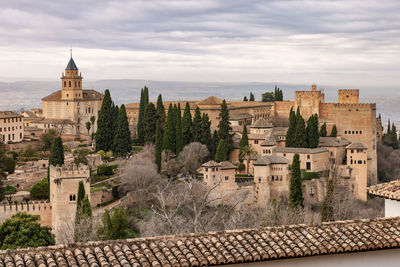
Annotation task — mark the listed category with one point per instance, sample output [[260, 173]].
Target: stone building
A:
[[11, 127], [67, 110], [61, 209]]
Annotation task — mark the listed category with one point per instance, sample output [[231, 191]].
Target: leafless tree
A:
[[169, 164], [279, 213], [191, 158], [86, 230]]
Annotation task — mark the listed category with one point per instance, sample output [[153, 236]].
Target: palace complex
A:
[[69, 109]]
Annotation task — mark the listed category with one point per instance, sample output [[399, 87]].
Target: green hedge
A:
[[309, 175], [10, 190], [40, 190]]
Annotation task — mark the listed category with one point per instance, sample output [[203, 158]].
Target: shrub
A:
[[29, 152], [115, 192], [241, 166], [104, 169], [13, 154], [9, 165], [309, 175], [40, 190], [10, 190]]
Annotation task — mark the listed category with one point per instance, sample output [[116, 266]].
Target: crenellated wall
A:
[[348, 96], [42, 208]]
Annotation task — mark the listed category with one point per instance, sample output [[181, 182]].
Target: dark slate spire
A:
[[71, 65]]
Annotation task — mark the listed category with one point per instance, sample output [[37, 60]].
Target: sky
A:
[[343, 43]]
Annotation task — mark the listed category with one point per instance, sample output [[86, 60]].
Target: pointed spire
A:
[[71, 64]]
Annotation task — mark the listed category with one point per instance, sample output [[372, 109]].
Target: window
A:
[[259, 180], [360, 162], [65, 84], [256, 142], [69, 83], [308, 165], [308, 156], [352, 132], [226, 178], [360, 132], [352, 151], [351, 162], [213, 169], [206, 169], [272, 178]]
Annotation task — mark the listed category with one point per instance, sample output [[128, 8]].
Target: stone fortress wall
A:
[[42, 208]]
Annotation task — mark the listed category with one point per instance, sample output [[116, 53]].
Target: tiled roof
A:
[[87, 94], [9, 114], [269, 141], [253, 136], [262, 123], [223, 164], [389, 190], [217, 248], [301, 150], [227, 165], [280, 130], [210, 163], [333, 141], [211, 100], [357, 146], [273, 159]]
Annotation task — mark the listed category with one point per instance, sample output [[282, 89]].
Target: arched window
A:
[[75, 83], [79, 84], [69, 83], [65, 84]]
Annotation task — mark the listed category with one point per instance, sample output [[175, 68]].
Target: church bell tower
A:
[[71, 82]]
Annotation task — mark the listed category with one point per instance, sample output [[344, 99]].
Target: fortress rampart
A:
[[42, 208]]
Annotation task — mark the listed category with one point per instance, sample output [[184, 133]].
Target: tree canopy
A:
[[57, 153], [122, 143], [23, 230], [296, 191], [105, 135]]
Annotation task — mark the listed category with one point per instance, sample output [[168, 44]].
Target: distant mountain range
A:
[[28, 94]]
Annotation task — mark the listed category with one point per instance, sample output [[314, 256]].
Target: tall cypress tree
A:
[[296, 191], [222, 151], [251, 97], [161, 111], [300, 136], [57, 153], [312, 131], [145, 96], [187, 125], [122, 144], [196, 127], [149, 123], [214, 144], [159, 143], [169, 141], [206, 138], [244, 142], [81, 194], [140, 128], [322, 131], [334, 131], [224, 128], [292, 129], [104, 135], [178, 129]]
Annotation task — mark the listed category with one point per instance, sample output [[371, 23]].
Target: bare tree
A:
[[169, 164], [86, 230], [279, 213], [191, 158]]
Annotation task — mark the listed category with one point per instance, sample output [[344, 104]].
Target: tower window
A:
[[69, 83], [65, 84], [75, 84]]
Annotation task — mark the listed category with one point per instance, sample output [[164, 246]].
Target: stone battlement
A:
[[349, 91], [70, 171], [310, 93], [353, 105], [26, 207]]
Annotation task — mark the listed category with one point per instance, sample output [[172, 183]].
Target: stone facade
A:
[[68, 109], [11, 127]]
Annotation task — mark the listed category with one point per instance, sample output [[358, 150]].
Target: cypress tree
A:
[[388, 128], [251, 97], [149, 123], [178, 129], [296, 192], [187, 125], [393, 137], [334, 131], [322, 131], [206, 138], [145, 96], [81, 194], [140, 128], [214, 144], [122, 144], [225, 128], [104, 135], [115, 114], [222, 151], [300, 136], [312, 131], [57, 153], [159, 144], [327, 205], [196, 127], [170, 131], [107, 225], [245, 98], [292, 129], [244, 142], [161, 110]]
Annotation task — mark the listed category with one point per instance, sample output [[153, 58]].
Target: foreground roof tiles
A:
[[216, 248], [390, 190]]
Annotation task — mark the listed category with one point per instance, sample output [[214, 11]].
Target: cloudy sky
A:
[[344, 43]]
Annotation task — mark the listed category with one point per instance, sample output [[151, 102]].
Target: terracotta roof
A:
[[389, 190], [301, 150], [224, 164], [240, 116], [9, 114], [211, 100], [273, 159], [269, 141], [87, 94], [357, 146], [256, 136], [262, 123], [217, 248], [333, 141], [210, 163]]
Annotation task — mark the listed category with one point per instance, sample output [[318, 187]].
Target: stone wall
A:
[[44, 209]]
